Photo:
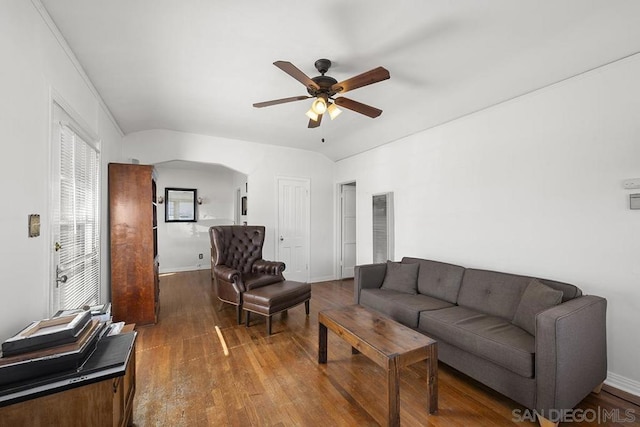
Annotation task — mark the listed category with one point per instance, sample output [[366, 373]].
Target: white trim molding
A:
[[623, 383], [74, 60]]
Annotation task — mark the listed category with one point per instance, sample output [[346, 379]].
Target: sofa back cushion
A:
[[438, 279], [499, 294], [492, 292]]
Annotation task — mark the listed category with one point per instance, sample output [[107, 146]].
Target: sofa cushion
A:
[[492, 292], [401, 277], [438, 279], [401, 307], [489, 337], [536, 298]]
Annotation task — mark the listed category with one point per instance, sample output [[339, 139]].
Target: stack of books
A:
[[102, 312], [47, 346]]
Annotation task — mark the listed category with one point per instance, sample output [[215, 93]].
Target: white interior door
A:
[[293, 227], [348, 230], [75, 218]]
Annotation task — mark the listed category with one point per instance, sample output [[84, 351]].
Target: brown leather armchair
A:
[[237, 264]]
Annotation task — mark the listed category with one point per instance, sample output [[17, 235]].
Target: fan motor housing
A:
[[325, 83]]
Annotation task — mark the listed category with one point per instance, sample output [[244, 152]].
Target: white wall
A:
[[179, 244], [262, 164], [34, 65], [532, 186]]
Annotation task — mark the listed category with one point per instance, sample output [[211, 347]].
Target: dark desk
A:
[[100, 393]]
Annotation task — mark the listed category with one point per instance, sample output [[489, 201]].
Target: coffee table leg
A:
[[432, 371], [393, 393], [322, 343]]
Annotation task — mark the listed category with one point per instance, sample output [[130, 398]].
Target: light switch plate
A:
[[34, 225], [634, 201], [631, 184]]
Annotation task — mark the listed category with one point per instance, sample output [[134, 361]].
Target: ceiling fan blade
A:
[[358, 107], [294, 72], [315, 123], [280, 101], [372, 76]]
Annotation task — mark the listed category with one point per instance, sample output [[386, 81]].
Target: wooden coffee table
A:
[[387, 343]]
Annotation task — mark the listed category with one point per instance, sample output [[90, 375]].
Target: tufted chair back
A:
[[237, 246]]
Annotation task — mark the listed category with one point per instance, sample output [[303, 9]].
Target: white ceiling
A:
[[198, 66]]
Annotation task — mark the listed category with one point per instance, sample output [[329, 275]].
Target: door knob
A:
[[281, 238], [59, 278]]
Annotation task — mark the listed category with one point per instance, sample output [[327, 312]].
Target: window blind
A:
[[382, 227], [79, 257]]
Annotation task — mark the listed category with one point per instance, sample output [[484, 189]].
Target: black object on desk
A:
[[109, 360]]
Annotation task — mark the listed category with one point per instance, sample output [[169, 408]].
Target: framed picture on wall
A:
[[180, 204], [244, 205]]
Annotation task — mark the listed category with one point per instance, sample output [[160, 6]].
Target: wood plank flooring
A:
[[184, 378]]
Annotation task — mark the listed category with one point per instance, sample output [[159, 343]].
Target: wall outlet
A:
[[200, 256]]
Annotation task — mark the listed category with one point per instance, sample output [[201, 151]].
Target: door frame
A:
[[338, 240], [307, 220]]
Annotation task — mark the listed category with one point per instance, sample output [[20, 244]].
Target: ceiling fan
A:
[[324, 89]]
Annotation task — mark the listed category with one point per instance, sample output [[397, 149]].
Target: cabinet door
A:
[[118, 402]]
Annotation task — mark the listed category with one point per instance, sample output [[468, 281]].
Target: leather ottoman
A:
[[275, 298]]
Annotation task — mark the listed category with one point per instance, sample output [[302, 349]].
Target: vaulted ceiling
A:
[[198, 66]]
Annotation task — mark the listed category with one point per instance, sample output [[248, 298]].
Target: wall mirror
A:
[[180, 204]]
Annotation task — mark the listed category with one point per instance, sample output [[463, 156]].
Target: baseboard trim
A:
[[622, 387], [182, 269], [318, 279]]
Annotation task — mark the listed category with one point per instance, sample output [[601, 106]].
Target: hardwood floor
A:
[[184, 378]]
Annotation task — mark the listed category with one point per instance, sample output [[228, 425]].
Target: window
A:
[[382, 227], [76, 219]]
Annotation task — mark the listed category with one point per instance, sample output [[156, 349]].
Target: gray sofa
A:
[[540, 342]]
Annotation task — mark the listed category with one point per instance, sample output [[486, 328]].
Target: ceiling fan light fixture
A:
[[319, 105], [334, 111], [322, 89], [312, 115]]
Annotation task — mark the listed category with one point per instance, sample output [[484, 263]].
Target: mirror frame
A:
[[170, 198]]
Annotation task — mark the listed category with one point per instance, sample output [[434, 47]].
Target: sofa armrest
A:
[[273, 268], [571, 353], [368, 276]]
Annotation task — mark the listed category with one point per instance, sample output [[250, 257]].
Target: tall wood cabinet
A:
[[133, 217]]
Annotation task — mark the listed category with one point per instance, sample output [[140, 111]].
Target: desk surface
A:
[[108, 360]]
